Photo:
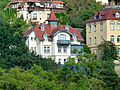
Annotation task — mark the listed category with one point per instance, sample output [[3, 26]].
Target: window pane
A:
[[65, 49], [112, 25], [62, 37], [118, 26]]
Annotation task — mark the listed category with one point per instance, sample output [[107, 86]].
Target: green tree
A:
[[79, 11], [107, 51]]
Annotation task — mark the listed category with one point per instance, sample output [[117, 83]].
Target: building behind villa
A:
[[36, 10]]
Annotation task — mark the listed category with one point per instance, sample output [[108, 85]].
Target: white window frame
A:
[[95, 40], [118, 50], [101, 38], [94, 27], [59, 49], [90, 41], [112, 38], [118, 25], [65, 49], [118, 38], [34, 15], [111, 25], [62, 37], [89, 28], [46, 49], [101, 26]]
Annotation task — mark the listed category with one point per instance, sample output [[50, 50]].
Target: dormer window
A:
[[45, 36], [75, 38], [117, 15], [95, 17], [100, 16], [42, 27], [67, 27]]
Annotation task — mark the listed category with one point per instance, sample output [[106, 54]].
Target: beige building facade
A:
[[103, 25], [36, 10]]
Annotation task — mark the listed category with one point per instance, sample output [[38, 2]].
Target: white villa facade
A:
[[103, 2], [53, 40]]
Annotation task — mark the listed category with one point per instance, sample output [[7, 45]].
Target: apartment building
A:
[[103, 25], [36, 10], [53, 40], [103, 2]]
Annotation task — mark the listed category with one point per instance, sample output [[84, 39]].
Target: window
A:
[[45, 37], [35, 38], [94, 27], [34, 16], [31, 38], [112, 38], [95, 51], [40, 16], [119, 50], [118, 25], [100, 16], [59, 61], [35, 49], [117, 15], [46, 49], [112, 25], [101, 39], [55, 5], [64, 60], [65, 49], [95, 39], [59, 49], [47, 5], [95, 17], [90, 41], [48, 15], [101, 26], [31, 48], [62, 37], [89, 28], [53, 24], [67, 27], [118, 38], [75, 38]]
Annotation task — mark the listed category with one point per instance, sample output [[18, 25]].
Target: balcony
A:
[[63, 42]]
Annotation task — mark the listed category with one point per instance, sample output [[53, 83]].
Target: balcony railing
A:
[[63, 42]]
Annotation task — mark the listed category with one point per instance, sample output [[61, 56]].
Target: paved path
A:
[[117, 69]]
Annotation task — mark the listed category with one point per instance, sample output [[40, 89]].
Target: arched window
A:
[[112, 38], [101, 39], [90, 41], [100, 16], [101, 26], [89, 28], [118, 25], [118, 38], [95, 17], [95, 40], [62, 37], [112, 25], [94, 27]]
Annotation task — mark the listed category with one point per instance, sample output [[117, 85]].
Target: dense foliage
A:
[[79, 11]]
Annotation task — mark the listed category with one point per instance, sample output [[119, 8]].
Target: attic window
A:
[[67, 27], [42, 27], [100, 16], [95, 17], [117, 15]]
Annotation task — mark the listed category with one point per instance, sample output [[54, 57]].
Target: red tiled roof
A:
[[107, 13], [52, 17], [51, 32]]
